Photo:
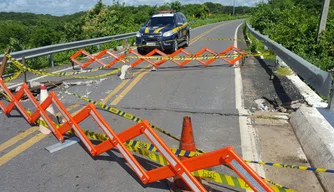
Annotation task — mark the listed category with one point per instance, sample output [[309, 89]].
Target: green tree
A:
[[176, 5]]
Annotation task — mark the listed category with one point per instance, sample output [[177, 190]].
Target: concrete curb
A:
[[316, 137]]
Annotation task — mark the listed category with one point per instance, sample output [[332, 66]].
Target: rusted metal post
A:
[[24, 70], [3, 63], [52, 63], [331, 99]]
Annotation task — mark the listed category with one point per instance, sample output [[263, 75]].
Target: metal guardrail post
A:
[[3, 63], [24, 71], [331, 100], [98, 47], [52, 63]]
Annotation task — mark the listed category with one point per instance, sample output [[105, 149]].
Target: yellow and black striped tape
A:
[[206, 174], [12, 77], [230, 39], [184, 58], [305, 168], [195, 57], [61, 74]]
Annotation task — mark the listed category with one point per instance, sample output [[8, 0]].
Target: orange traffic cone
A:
[[187, 143], [43, 95]]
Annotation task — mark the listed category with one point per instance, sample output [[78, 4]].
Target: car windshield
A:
[[160, 21]]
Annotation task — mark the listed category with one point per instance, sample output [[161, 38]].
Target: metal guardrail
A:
[[50, 49], [318, 79]]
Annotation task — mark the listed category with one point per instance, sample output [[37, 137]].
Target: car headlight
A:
[[167, 34], [138, 34]]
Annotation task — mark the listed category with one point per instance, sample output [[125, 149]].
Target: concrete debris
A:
[[261, 104], [87, 83], [35, 84], [126, 72], [282, 109]]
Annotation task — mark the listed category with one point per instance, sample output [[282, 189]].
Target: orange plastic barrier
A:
[[232, 59], [176, 167], [155, 51], [95, 58]]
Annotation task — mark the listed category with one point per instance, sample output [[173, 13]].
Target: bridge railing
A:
[[50, 49], [319, 80]]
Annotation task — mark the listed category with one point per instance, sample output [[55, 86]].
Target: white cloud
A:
[[61, 7]]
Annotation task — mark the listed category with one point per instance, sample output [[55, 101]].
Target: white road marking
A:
[[248, 134]]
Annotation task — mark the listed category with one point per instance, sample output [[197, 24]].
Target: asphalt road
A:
[[164, 97]]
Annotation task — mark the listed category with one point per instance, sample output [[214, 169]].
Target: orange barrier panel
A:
[[117, 58], [176, 167], [230, 58], [155, 51], [188, 54], [91, 58], [40, 108]]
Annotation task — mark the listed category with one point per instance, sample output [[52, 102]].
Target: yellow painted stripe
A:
[[203, 34], [119, 87], [17, 138], [114, 91], [128, 88], [21, 148]]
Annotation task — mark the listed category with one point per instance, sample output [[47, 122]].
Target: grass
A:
[[256, 46], [283, 71]]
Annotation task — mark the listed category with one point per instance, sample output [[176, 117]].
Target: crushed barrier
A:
[[175, 166], [144, 145], [235, 55], [159, 159]]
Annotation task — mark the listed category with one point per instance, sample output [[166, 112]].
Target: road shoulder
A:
[[265, 94]]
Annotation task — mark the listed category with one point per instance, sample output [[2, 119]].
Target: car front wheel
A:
[[187, 40], [175, 45]]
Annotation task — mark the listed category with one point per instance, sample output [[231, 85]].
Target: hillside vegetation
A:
[[22, 31], [294, 24]]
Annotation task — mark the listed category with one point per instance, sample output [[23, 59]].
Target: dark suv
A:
[[165, 30]]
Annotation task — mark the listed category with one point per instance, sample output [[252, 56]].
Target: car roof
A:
[[163, 15]]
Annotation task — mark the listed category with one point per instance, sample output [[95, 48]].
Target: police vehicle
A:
[[165, 30]]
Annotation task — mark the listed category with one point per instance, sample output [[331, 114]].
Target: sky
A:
[[64, 7]]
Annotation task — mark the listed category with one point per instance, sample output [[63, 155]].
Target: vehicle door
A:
[[179, 23], [185, 28]]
